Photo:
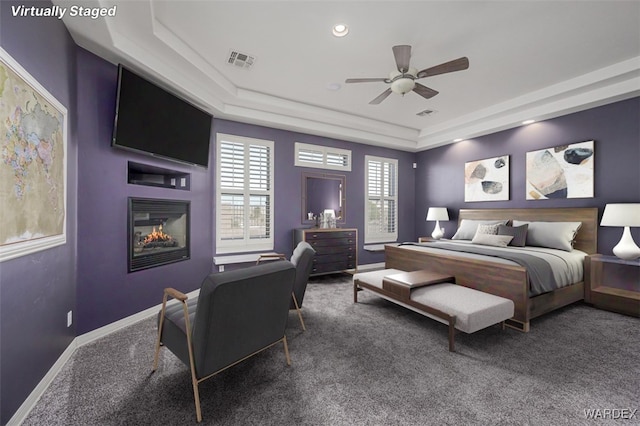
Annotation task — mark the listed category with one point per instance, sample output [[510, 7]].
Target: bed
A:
[[505, 278]]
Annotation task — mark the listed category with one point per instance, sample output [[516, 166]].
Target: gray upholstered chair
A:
[[302, 259], [236, 315]]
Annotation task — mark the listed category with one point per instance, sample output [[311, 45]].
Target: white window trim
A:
[[325, 151], [244, 245], [377, 237]]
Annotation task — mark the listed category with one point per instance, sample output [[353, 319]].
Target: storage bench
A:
[[438, 297]]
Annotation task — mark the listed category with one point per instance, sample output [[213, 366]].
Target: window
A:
[[322, 157], [244, 182], [381, 208]]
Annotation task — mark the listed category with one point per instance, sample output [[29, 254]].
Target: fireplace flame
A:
[[156, 236]]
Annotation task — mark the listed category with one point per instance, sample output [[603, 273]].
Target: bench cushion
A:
[[473, 309]]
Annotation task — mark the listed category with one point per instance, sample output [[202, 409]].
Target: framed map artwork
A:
[[33, 164]]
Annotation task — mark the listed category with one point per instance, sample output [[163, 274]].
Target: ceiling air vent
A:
[[426, 112], [240, 60]]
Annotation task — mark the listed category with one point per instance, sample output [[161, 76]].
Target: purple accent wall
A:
[[615, 128], [37, 290], [288, 183], [106, 292]]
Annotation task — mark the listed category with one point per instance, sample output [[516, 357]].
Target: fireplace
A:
[[158, 232]]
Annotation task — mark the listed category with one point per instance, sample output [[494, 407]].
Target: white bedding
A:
[[567, 266]]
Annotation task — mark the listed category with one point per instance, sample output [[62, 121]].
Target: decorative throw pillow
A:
[[468, 228], [488, 229], [519, 234], [491, 240], [557, 235]]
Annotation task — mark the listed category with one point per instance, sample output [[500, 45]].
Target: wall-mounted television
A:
[[152, 121]]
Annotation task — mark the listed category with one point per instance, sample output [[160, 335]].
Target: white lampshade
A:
[[437, 213], [621, 215], [625, 215]]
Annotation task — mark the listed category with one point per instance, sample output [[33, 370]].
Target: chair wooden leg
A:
[[286, 350], [295, 302], [155, 358], [192, 364]]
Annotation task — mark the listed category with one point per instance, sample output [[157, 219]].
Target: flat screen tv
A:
[[152, 121]]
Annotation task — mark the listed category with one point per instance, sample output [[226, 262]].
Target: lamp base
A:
[[627, 249], [437, 231]]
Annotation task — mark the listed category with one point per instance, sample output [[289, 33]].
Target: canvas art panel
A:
[[564, 171], [33, 151], [487, 180]]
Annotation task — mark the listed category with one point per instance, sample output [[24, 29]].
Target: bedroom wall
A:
[[37, 290], [615, 128], [106, 292]]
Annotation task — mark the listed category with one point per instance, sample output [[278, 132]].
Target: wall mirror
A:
[[322, 191]]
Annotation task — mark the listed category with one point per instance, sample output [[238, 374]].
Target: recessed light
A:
[[340, 30], [458, 140], [333, 86], [528, 121]]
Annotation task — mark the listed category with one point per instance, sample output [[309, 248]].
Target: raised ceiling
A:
[[528, 59]]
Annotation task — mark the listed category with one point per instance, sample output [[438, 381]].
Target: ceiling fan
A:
[[404, 79]]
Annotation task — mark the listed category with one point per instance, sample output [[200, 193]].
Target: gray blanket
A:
[[541, 278]]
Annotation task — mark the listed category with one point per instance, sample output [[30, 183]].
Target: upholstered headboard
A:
[[586, 239]]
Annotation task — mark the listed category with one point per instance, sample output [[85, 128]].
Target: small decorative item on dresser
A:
[[625, 215], [437, 214]]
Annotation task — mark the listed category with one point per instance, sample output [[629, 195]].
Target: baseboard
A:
[[37, 392], [76, 343]]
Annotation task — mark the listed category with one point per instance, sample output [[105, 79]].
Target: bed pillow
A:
[[519, 234], [468, 228], [557, 235], [490, 229], [491, 239]]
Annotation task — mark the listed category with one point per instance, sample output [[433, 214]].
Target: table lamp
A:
[[437, 214], [625, 215]]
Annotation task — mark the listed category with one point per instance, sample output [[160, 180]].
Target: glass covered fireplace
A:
[[158, 232]]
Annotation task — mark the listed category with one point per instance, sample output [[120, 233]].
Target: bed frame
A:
[[507, 281]]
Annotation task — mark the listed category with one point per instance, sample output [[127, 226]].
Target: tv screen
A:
[[151, 120]]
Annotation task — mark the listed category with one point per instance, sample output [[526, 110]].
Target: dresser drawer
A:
[[321, 236], [332, 242]]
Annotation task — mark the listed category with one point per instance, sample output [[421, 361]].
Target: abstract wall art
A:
[[487, 180], [564, 171]]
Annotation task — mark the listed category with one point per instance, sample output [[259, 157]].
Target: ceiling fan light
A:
[[402, 86]]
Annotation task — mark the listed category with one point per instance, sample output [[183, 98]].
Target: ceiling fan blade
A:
[[424, 91], [451, 66], [381, 98], [402, 54], [364, 80]]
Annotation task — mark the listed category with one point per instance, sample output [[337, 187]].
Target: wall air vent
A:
[[240, 60], [426, 112]]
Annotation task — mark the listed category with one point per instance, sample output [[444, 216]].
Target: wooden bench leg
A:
[[452, 334], [355, 292]]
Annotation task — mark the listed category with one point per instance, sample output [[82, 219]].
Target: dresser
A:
[[336, 248]]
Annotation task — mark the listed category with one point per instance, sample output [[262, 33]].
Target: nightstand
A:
[[612, 283]]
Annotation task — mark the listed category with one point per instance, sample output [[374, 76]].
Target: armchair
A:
[[236, 315], [302, 259]]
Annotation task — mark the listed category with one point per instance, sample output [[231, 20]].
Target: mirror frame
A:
[[343, 182]]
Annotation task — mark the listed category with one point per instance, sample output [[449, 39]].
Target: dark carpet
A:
[[371, 363]]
